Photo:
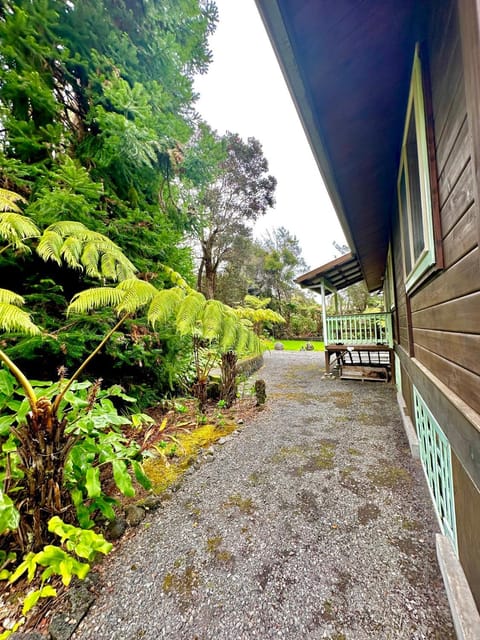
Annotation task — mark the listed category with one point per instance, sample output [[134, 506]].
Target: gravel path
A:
[[313, 522]]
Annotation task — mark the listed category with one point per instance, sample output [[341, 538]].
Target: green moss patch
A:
[[163, 471]]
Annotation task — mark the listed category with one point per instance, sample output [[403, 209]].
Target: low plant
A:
[[56, 470], [66, 559]]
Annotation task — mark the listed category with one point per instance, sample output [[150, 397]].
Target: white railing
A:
[[362, 328]]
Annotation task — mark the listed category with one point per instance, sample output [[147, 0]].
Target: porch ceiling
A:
[[337, 274], [348, 66]]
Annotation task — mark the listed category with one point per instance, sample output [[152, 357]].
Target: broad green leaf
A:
[[5, 424], [9, 516], [92, 482], [140, 475], [31, 600], [7, 383], [29, 564], [122, 478]]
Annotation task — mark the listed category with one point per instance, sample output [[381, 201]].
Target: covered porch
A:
[[357, 346]]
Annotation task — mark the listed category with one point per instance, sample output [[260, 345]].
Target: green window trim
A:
[[436, 457], [389, 282], [413, 186]]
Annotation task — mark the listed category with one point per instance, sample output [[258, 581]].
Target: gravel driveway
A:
[[312, 522]]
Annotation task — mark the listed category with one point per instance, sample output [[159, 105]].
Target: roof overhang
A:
[[348, 66], [335, 275]]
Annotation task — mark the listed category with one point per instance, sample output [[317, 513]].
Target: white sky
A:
[[244, 92]]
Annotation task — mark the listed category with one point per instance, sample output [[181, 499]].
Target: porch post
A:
[[324, 312]]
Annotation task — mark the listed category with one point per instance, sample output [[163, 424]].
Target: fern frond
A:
[[90, 259], [71, 251], [189, 313], [9, 199], [14, 228], [176, 279], [82, 248], [136, 294], [14, 319], [254, 345], [213, 317], [242, 339], [95, 298], [164, 305], [10, 297], [228, 337], [50, 246]]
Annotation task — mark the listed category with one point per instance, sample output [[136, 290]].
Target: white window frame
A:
[[426, 258]]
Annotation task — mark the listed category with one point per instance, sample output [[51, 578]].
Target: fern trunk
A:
[[229, 378], [43, 451]]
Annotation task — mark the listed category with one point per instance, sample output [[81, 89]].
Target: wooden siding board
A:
[[460, 423], [455, 162], [462, 237], [461, 315], [458, 200], [467, 511], [457, 110], [460, 348], [458, 281], [461, 381], [469, 18]]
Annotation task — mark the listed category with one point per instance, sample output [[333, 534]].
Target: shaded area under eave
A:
[[337, 274], [348, 66]]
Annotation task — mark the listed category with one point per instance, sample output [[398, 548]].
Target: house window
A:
[[414, 198], [436, 457]]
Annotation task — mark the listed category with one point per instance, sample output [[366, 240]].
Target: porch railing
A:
[[363, 328]]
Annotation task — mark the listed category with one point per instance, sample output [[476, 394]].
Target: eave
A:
[[347, 65]]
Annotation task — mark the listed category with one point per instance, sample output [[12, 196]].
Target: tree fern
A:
[[213, 318], [15, 228], [12, 318], [228, 338], [189, 313], [165, 305], [82, 248], [9, 199], [96, 298], [136, 294]]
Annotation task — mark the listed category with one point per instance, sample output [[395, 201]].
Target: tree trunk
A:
[[43, 451], [210, 279], [229, 387]]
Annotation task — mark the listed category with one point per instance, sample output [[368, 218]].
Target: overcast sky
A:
[[244, 92]]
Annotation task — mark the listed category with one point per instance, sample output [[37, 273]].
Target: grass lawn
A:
[[296, 345]]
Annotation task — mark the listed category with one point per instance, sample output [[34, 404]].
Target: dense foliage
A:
[[96, 101]]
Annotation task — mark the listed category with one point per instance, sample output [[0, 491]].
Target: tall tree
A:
[[96, 102], [283, 262], [229, 198]]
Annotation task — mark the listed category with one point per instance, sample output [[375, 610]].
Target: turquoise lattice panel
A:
[[436, 457]]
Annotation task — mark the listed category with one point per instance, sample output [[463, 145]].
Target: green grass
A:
[[296, 345]]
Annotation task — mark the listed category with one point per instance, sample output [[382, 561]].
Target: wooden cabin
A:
[[389, 96]]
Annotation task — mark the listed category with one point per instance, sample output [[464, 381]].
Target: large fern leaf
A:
[[189, 313], [95, 298], [230, 328], [213, 318], [14, 319], [136, 294], [82, 248], [10, 297], [164, 305], [15, 228], [9, 199]]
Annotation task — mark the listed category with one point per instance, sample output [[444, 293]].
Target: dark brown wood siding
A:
[[467, 509], [445, 313]]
